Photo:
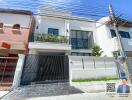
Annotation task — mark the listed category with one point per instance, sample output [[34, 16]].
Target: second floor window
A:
[[123, 34], [113, 34], [53, 31], [81, 39]]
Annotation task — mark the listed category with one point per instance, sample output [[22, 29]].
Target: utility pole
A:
[[113, 19], [123, 58]]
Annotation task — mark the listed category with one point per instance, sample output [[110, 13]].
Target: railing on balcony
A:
[[50, 38], [77, 43]]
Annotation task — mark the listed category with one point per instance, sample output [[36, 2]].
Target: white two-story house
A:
[[57, 34], [78, 33], [107, 39]]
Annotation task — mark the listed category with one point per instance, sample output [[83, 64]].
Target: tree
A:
[[96, 51]]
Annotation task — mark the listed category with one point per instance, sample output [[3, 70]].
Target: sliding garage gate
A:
[[45, 69]]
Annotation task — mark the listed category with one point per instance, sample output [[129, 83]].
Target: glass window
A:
[[124, 34], [116, 54], [80, 54], [81, 39], [113, 34], [74, 54], [53, 31], [73, 35]]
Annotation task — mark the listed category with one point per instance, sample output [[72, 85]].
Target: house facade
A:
[[79, 32], [38, 47], [107, 37], [16, 27], [57, 35]]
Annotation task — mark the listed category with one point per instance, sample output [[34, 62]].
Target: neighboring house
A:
[[16, 27], [107, 40]]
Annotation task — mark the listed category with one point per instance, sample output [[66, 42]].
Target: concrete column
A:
[[67, 28], [18, 71]]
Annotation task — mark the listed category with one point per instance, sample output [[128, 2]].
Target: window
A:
[[80, 54], [113, 34], [122, 34], [116, 54], [53, 31], [1, 25], [16, 26], [81, 39]]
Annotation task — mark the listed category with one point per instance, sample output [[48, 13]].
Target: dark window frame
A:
[[113, 34], [53, 31], [123, 34], [76, 41]]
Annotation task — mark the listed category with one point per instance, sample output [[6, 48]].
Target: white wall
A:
[[44, 23], [109, 44], [92, 67], [63, 25], [93, 73], [84, 26], [11, 19]]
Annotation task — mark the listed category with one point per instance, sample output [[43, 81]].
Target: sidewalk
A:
[[84, 96], [92, 91], [2, 93], [93, 87]]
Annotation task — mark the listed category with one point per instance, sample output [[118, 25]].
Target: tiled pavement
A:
[[93, 91], [42, 90]]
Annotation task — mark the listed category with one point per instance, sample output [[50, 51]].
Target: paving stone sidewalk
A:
[[42, 90], [93, 87]]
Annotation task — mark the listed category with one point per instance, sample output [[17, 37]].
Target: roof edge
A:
[[16, 11]]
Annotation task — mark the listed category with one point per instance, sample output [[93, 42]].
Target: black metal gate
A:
[[45, 69]]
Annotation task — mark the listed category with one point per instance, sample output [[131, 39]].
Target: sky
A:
[[85, 8]]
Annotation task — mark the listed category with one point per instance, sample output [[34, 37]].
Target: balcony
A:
[[50, 43], [51, 38]]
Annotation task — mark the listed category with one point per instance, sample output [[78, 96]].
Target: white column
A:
[[67, 28], [18, 71]]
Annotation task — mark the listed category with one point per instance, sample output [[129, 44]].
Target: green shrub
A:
[[51, 38]]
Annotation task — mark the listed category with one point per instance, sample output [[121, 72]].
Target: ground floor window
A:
[[116, 54], [80, 54]]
